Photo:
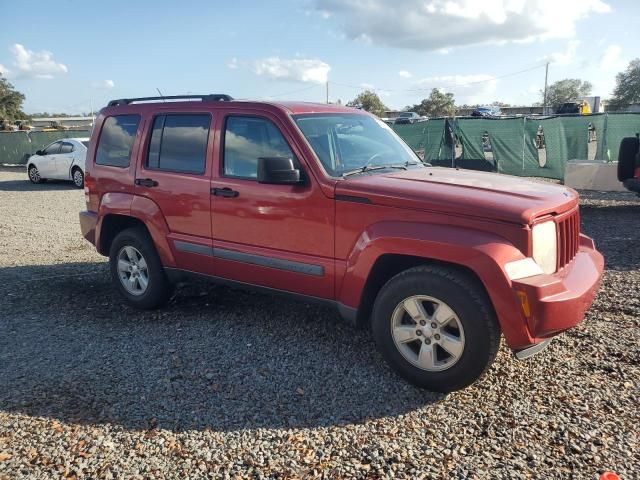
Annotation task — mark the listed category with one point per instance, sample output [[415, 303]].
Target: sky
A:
[[72, 56]]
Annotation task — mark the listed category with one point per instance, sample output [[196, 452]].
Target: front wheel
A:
[[136, 270], [34, 175], [436, 328]]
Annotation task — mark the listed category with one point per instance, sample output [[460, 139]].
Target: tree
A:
[[370, 102], [10, 102], [567, 90], [627, 89], [439, 104]]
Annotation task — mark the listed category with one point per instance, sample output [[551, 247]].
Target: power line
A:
[[292, 92], [453, 85]]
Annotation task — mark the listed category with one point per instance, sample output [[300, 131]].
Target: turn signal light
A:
[[524, 303]]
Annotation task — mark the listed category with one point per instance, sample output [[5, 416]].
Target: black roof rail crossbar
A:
[[214, 97]]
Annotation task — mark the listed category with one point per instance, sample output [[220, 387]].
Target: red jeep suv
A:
[[327, 203]]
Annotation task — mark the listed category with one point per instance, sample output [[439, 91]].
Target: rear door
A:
[[175, 173], [64, 159]]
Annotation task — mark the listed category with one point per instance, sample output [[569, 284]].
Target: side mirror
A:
[[39, 152], [278, 171]]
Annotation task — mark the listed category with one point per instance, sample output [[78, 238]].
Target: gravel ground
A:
[[227, 384]]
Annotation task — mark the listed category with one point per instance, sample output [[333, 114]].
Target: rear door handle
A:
[[146, 182], [224, 192]]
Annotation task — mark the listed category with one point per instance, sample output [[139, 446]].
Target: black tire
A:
[[34, 175], [627, 158], [77, 182], [158, 290], [470, 304]]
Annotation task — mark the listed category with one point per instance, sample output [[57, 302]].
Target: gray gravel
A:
[[227, 384]]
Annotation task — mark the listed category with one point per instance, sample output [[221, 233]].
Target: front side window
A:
[[344, 142], [246, 139], [116, 140], [52, 149], [66, 148], [179, 143]]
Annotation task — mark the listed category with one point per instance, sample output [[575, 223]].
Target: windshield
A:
[[347, 141], [407, 114]]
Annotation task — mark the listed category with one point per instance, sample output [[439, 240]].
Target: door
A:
[[64, 159], [278, 236], [47, 161], [175, 174]]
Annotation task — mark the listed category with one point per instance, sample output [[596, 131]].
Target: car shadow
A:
[[213, 358], [26, 186]]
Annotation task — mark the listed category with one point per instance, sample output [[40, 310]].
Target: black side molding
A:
[[352, 198]]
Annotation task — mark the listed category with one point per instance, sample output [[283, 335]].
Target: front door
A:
[[174, 172], [278, 236], [47, 162]]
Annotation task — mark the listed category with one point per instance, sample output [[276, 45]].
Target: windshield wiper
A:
[[365, 168], [368, 168]]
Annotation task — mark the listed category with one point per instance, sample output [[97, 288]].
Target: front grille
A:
[[568, 231]]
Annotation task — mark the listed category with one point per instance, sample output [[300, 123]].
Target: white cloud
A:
[[104, 84], [563, 58], [611, 59], [36, 64], [233, 63], [443, 24], [405, 74], [476, 88], [294, 69], [4, 71]]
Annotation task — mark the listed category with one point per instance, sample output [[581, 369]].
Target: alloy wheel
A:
[[132, 270]]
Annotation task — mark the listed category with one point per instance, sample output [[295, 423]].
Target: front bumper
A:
[[632, 184], [88, 222], [558, 302]]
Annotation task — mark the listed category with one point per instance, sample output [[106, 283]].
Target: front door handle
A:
[[224, 192], [146, 182]]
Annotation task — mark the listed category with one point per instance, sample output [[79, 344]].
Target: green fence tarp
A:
[[15, 147], [619, 126], [414, 134]]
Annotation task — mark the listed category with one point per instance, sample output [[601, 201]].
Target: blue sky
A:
[[67, 55]]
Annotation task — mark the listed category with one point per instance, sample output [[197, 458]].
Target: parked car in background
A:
[[328, 204], [629, 163], [62, 160], [408, 117], [486, 112]]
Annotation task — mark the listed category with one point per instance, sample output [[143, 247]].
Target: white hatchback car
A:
[[61, 160]]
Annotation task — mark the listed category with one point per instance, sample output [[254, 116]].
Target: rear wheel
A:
[[627, 158], [136, 270], [34, 175], [78, 177], [436, 328]]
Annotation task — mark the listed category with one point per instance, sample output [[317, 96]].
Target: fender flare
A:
[[143, 209], [482, 252]]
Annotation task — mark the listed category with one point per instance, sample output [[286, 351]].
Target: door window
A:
[[66, 148], [248, 138], [52, 149], [179, 143]]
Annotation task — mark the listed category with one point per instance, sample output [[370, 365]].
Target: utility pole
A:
[[327, 91], [544, 101]]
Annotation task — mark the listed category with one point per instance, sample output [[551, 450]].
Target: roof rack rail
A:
[[214, 97]]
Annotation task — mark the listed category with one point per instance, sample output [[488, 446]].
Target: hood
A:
[[462, 192]]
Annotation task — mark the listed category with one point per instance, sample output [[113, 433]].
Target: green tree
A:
[[370, 102], [567, 90], [10, 102], [627, 89], [438, 104]]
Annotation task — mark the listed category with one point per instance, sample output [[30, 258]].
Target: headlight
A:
[[543, 237]]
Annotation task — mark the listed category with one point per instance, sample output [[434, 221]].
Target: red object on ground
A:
[[609, 476]]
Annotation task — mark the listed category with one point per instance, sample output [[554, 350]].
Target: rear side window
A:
[[66, 148], [116, 140], [179, 143]]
